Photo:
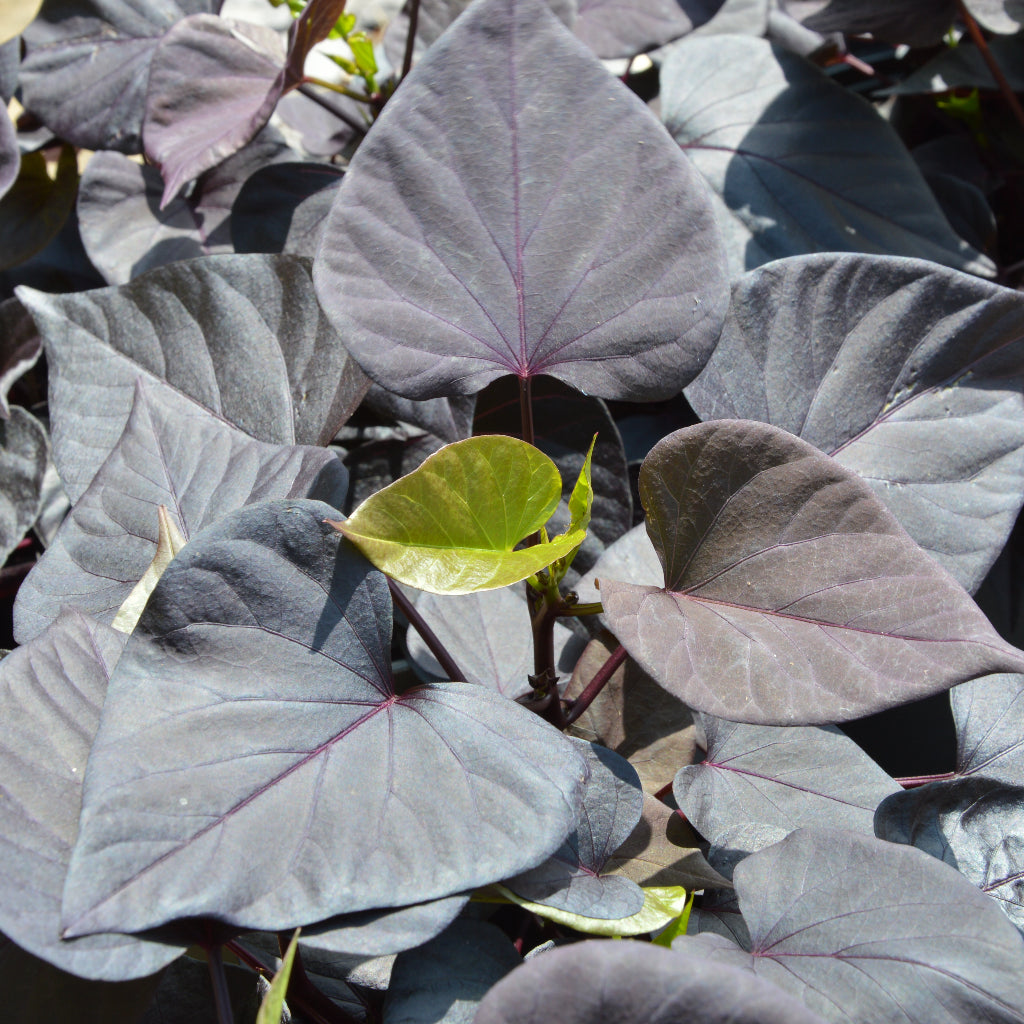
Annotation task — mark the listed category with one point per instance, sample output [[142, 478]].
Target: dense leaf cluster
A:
[[461, 509]]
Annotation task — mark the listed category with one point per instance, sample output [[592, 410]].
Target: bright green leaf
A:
[[169, 543], [580, 502], [451, 525], [675, 928], [663, 904], [273, 1002]]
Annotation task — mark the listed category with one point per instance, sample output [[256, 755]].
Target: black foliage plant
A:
[[376, 579]]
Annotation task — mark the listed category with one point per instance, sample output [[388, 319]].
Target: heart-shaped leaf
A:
[[974, 824], [908, 373], [792, 595], [571, 878], [87, 66], [535, 241], [51, 692], [783, 778], [635, 983], [451, 525], [173, 453], [287, 715], [863, 930], [796, 160], [217, 329], [990, 742]]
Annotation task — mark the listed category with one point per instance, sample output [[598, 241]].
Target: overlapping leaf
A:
[[217, 329], [286, 713], [908, 373], [580, 246], [611, 30], [914, 22], [860, 929], [998, 15], [780, 778], [452, 526], [87, 66], [124, 232], [571, 879], [974, 824], [990, 741], [23, 455], [51, 692], [172, 453], [635, 983], [796, 162], [20, 349], [489, 636], [792, 596]]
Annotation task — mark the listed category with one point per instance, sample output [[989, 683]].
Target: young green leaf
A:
[[663, 904], [273, 1002], [580, 502], [169, 543], [451, 525]]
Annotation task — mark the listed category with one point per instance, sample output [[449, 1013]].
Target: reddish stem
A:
[[913, 781], [596, 684]]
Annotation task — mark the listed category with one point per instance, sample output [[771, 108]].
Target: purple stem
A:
[[913, 781], [596, 684], [221, 996], [437, 649], [410, 39]]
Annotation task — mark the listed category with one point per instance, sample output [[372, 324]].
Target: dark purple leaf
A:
[[325, 127], [635, 983], [533, 242], [966, 209], [632, 557], [283, 207], [738, 17], [718, 909], [436, 16], [571, 878], [36, 991], [612, 28], [863, 930], [213, 85], [450, 419], [126, 233], [444, 980], [633, 715], [172, 453], [185, 995], [792, 596], [663, 850], [20, 349], [990, 741], [312, 26], [219, 330], [51, 692], [376, 932], [796, 162], [974, 824], [23, 453], [286, 719], [87, 66], [908, 373], [373, 464], [787, 778], [998, 15], [964, 67], [35, 207], [10, 158], [487, 633], [914, 22]]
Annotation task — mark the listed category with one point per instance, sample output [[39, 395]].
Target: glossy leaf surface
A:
[[581, 248], [216, 330], [908, 373], [285, 632], [796, 161], [451, 525], [792, 595]]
